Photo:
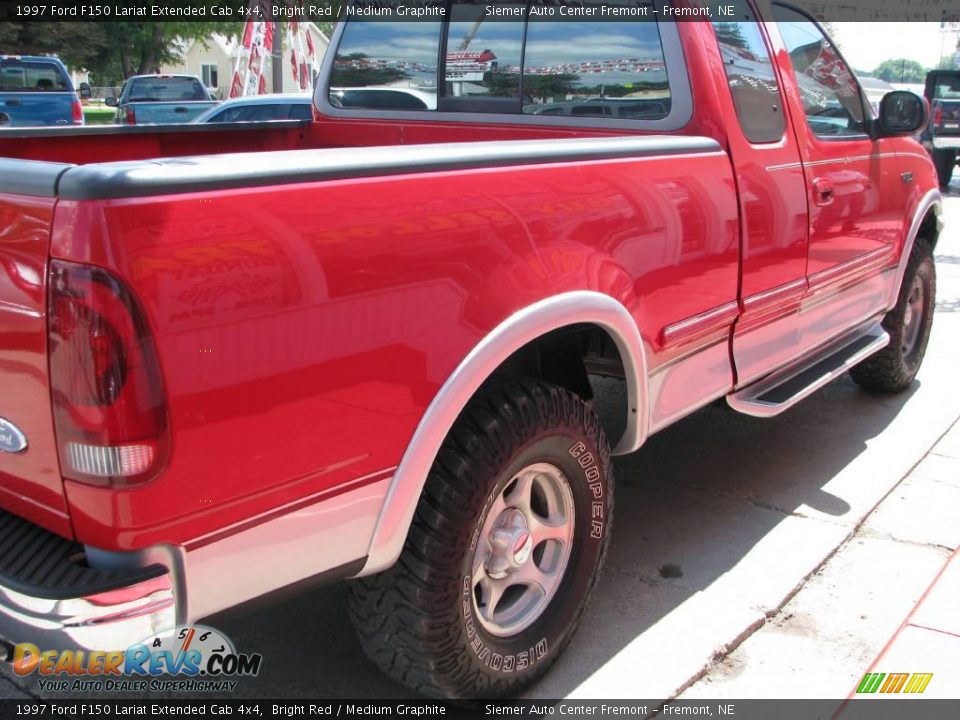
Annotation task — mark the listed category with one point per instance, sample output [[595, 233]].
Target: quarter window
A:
[[751, 77], [397, 57], [828, 89]]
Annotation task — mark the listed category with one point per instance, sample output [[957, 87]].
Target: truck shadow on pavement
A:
[[689, 506]]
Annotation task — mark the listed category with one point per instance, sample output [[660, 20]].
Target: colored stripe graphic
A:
[[870, 682], [918, 682], [894, 683]]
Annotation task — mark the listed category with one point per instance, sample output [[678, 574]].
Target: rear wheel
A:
[[503, 552], [908, 324], [944, 161]]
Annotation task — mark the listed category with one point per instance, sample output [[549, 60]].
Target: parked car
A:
[[259, 108], [160, 99], [942, 137], [364, 351], [36, 91]]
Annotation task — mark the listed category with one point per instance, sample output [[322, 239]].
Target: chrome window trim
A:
[[681, 97]]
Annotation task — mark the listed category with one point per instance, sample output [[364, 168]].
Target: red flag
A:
[[262, 90], [293, 64], [236, 87]]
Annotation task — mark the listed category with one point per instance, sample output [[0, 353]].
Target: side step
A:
[[784, 388]]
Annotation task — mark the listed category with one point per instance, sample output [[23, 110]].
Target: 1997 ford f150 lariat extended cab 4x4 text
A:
[[359, 347]]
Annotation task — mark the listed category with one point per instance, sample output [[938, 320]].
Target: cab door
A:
[[853, 184], [773, 205]]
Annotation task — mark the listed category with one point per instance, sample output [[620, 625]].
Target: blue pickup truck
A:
[[160, 100], [36, 91]]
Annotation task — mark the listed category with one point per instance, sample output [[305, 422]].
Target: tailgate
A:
[[30, 482], [162, 113], [35, 109]]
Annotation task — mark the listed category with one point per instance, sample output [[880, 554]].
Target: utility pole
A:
[[276, 60]]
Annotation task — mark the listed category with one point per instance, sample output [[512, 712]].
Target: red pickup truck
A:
[[239, 361]]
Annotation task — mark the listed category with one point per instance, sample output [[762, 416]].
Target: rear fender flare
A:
[[524, 326]]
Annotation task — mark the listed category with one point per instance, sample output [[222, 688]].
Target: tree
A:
[[76, 43], [901, 70], [135, 48], [110, 51], [950, 62]]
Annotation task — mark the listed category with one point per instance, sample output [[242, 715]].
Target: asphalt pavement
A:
[[722, 521]]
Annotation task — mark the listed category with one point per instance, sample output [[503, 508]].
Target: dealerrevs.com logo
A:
[[190, 658]]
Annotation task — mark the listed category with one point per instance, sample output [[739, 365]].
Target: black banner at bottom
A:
[[879, 708]]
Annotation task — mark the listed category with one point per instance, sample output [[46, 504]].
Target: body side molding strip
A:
[[573, 308]]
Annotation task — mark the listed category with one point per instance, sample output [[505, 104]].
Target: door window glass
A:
[[751, 77], [828, 89]]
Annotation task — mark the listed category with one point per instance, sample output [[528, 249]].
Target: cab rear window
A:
[[32, 76], [508, 58], [169, 89]]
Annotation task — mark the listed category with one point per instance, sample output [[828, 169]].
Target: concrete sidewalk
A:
[[928, 641], [886, 602]]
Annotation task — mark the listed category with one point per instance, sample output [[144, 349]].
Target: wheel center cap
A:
[[510, 544]]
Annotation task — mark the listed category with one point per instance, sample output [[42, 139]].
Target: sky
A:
[[867, 44]]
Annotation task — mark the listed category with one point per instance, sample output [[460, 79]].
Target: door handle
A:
[[823, 193]]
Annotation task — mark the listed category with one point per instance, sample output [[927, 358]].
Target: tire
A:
[[944, 161], [425, 621], [894, 368]]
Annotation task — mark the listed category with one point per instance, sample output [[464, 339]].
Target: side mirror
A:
[[111, 101], [902, 113], [85, 92]]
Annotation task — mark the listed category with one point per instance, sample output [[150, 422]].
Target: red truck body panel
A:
[[304, 328], [302, 344], [30, 484]]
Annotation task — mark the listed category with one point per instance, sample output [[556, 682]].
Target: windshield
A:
[[166, 89], [32, 76]]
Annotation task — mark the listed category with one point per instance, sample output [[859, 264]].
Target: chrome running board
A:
[[784, 388]]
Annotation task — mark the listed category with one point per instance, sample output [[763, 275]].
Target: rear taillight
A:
[[938, 115], [109, 404], [76, 110], [129, 117]]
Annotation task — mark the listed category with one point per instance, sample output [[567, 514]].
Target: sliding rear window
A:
[[533, 58], [32, 76]]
